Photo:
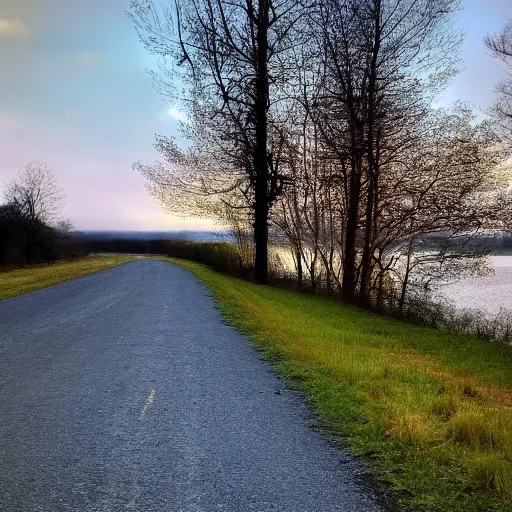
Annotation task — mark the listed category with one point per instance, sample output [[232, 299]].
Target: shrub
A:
[[222, 256]]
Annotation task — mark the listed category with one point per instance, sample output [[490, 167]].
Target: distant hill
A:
[[198, 236], [491, 244], [142, 242], [148, 241]]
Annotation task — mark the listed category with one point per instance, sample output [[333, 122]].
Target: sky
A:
[[75, 93]]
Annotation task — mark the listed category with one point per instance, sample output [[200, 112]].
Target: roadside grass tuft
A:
[[429, 411], [24, 280], [490, 473], [472, 429]]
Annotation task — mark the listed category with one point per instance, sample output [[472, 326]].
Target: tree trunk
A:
[[298, 255], [348, 288], [380, 290], [262, 198], [405, 282], [364, 292], [372, 168], [261, 236], [401, 300]]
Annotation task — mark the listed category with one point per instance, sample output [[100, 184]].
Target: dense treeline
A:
[[124, 245], [25, 242], [316, 120]]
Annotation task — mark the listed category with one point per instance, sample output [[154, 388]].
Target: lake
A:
[[491, 293]]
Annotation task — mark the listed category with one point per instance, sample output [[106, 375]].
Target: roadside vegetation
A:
[[430, 411], [419, 309], [24, 280]]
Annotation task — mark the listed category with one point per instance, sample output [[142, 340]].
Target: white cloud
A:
[[13, 29], [175, 114]]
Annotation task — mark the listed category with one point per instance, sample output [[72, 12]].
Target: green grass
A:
[[16, 282], [431, 412]]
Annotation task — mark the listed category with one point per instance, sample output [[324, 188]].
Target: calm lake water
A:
[[491, 293]]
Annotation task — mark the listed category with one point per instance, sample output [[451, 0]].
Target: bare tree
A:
[[34, 192], [383, 62], [231, 56], [438, 203], [501, 47], [318, 119]]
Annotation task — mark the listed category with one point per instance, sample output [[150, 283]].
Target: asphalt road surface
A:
[[124, 390]]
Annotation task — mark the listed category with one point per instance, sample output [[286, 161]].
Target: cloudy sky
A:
[[74, 92]]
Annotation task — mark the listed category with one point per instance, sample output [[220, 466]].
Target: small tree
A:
[[435, 203], [34, 193]]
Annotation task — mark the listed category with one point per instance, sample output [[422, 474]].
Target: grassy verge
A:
[[16, 282], [430, 411]]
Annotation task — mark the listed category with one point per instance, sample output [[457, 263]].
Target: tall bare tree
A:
[[230, 57], [437, 201], [383, 62]]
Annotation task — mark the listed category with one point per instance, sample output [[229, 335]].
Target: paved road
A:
[[124, 390]]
